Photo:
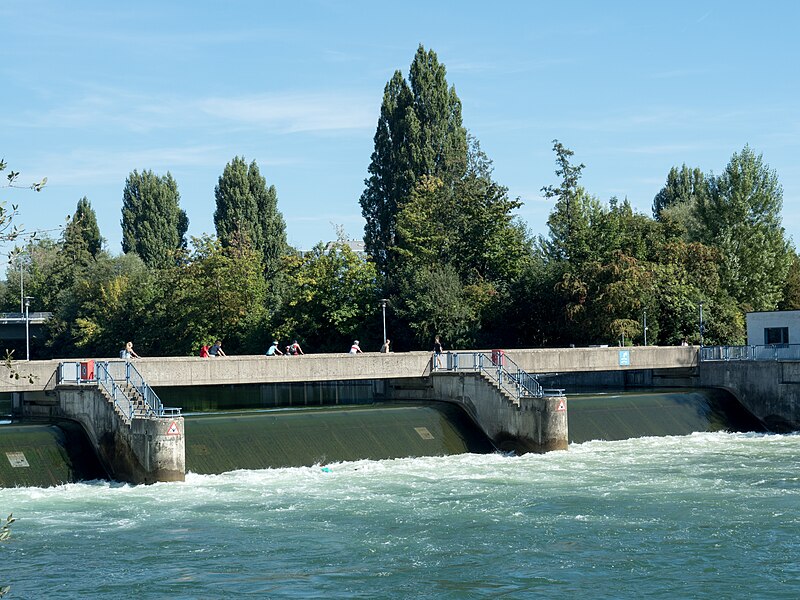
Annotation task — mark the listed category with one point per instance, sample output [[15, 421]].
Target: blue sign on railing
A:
[[624, 358]]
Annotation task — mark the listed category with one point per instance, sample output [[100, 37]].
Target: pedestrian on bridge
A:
[[128, 352], [216, 350], [273, 350], [437, 351], [355, 348]]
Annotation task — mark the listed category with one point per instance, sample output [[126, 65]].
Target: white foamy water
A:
[[707, 515]]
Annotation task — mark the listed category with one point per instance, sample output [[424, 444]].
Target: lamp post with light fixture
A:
[[384, 302], [27, 327]]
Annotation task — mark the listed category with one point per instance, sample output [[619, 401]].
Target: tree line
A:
[[443, 246]]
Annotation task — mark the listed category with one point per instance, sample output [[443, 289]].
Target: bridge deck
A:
[[187, 371]]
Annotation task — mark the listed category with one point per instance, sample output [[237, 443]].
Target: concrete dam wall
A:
[[273, 426]]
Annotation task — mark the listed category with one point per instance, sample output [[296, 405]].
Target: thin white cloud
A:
[[99, 167], [296, 112], [278, 113]]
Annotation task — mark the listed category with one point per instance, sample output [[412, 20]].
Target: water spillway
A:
[[216, 443], [44, 455], [235, 429], [632, 414]]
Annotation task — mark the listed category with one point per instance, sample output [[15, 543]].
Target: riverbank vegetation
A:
[[442, 244]]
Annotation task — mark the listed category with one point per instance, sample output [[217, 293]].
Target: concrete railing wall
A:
[[570, 360]]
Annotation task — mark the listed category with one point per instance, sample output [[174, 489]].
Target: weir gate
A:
[[411, 418]]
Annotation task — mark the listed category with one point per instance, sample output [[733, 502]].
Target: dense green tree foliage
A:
[[82, 240], [684, 186], [219, 292], [332, 299], [791, 289], [741, 216], [443, 246], [153, 224], [247, 212]]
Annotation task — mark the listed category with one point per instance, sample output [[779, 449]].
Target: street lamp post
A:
[[21, 284], [384, 302], [27, 328], [644, 318]]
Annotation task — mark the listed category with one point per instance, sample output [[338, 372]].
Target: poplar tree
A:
[[82, 234], [247, 210], [153, 224], [570, 218], [419, 133]]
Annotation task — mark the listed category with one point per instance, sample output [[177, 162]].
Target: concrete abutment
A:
[[528, 425], [143, 450]]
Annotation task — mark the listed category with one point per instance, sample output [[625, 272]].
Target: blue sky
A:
[[93, 90]]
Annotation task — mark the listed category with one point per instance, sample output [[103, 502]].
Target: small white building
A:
[[773, 327]]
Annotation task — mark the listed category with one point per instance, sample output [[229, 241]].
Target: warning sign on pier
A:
[[173, 429], [562, 406]]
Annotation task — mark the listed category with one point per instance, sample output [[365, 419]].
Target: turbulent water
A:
[[711, 515]]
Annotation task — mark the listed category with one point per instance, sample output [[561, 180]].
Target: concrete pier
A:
[[141, 450], [528, 425]]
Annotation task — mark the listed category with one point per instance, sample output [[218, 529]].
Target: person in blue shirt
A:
[[216, 349], [273, 350]]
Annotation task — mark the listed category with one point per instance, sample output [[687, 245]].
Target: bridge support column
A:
[[146, 451], [539, 425], [536, 425]]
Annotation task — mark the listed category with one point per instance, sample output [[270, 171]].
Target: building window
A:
[[776, 335]]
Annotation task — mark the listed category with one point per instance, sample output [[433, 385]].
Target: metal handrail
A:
[[501, 369], [151, 400], [108, 375], [770, 352], [105, 381]]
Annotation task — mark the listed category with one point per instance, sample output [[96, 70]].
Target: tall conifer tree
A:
[[153, 224], [419, 133], [248, 210], [82, 234]]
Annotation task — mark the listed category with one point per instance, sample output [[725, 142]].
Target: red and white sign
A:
[[173, 429], [562, 406]]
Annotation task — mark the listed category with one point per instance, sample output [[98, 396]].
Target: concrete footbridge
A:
[[513, 397], [190, 371], [139, 440]]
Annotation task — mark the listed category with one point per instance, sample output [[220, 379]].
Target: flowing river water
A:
[[706, 515]]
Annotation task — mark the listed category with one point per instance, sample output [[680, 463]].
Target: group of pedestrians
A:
[[292, 349], [215, 350]]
